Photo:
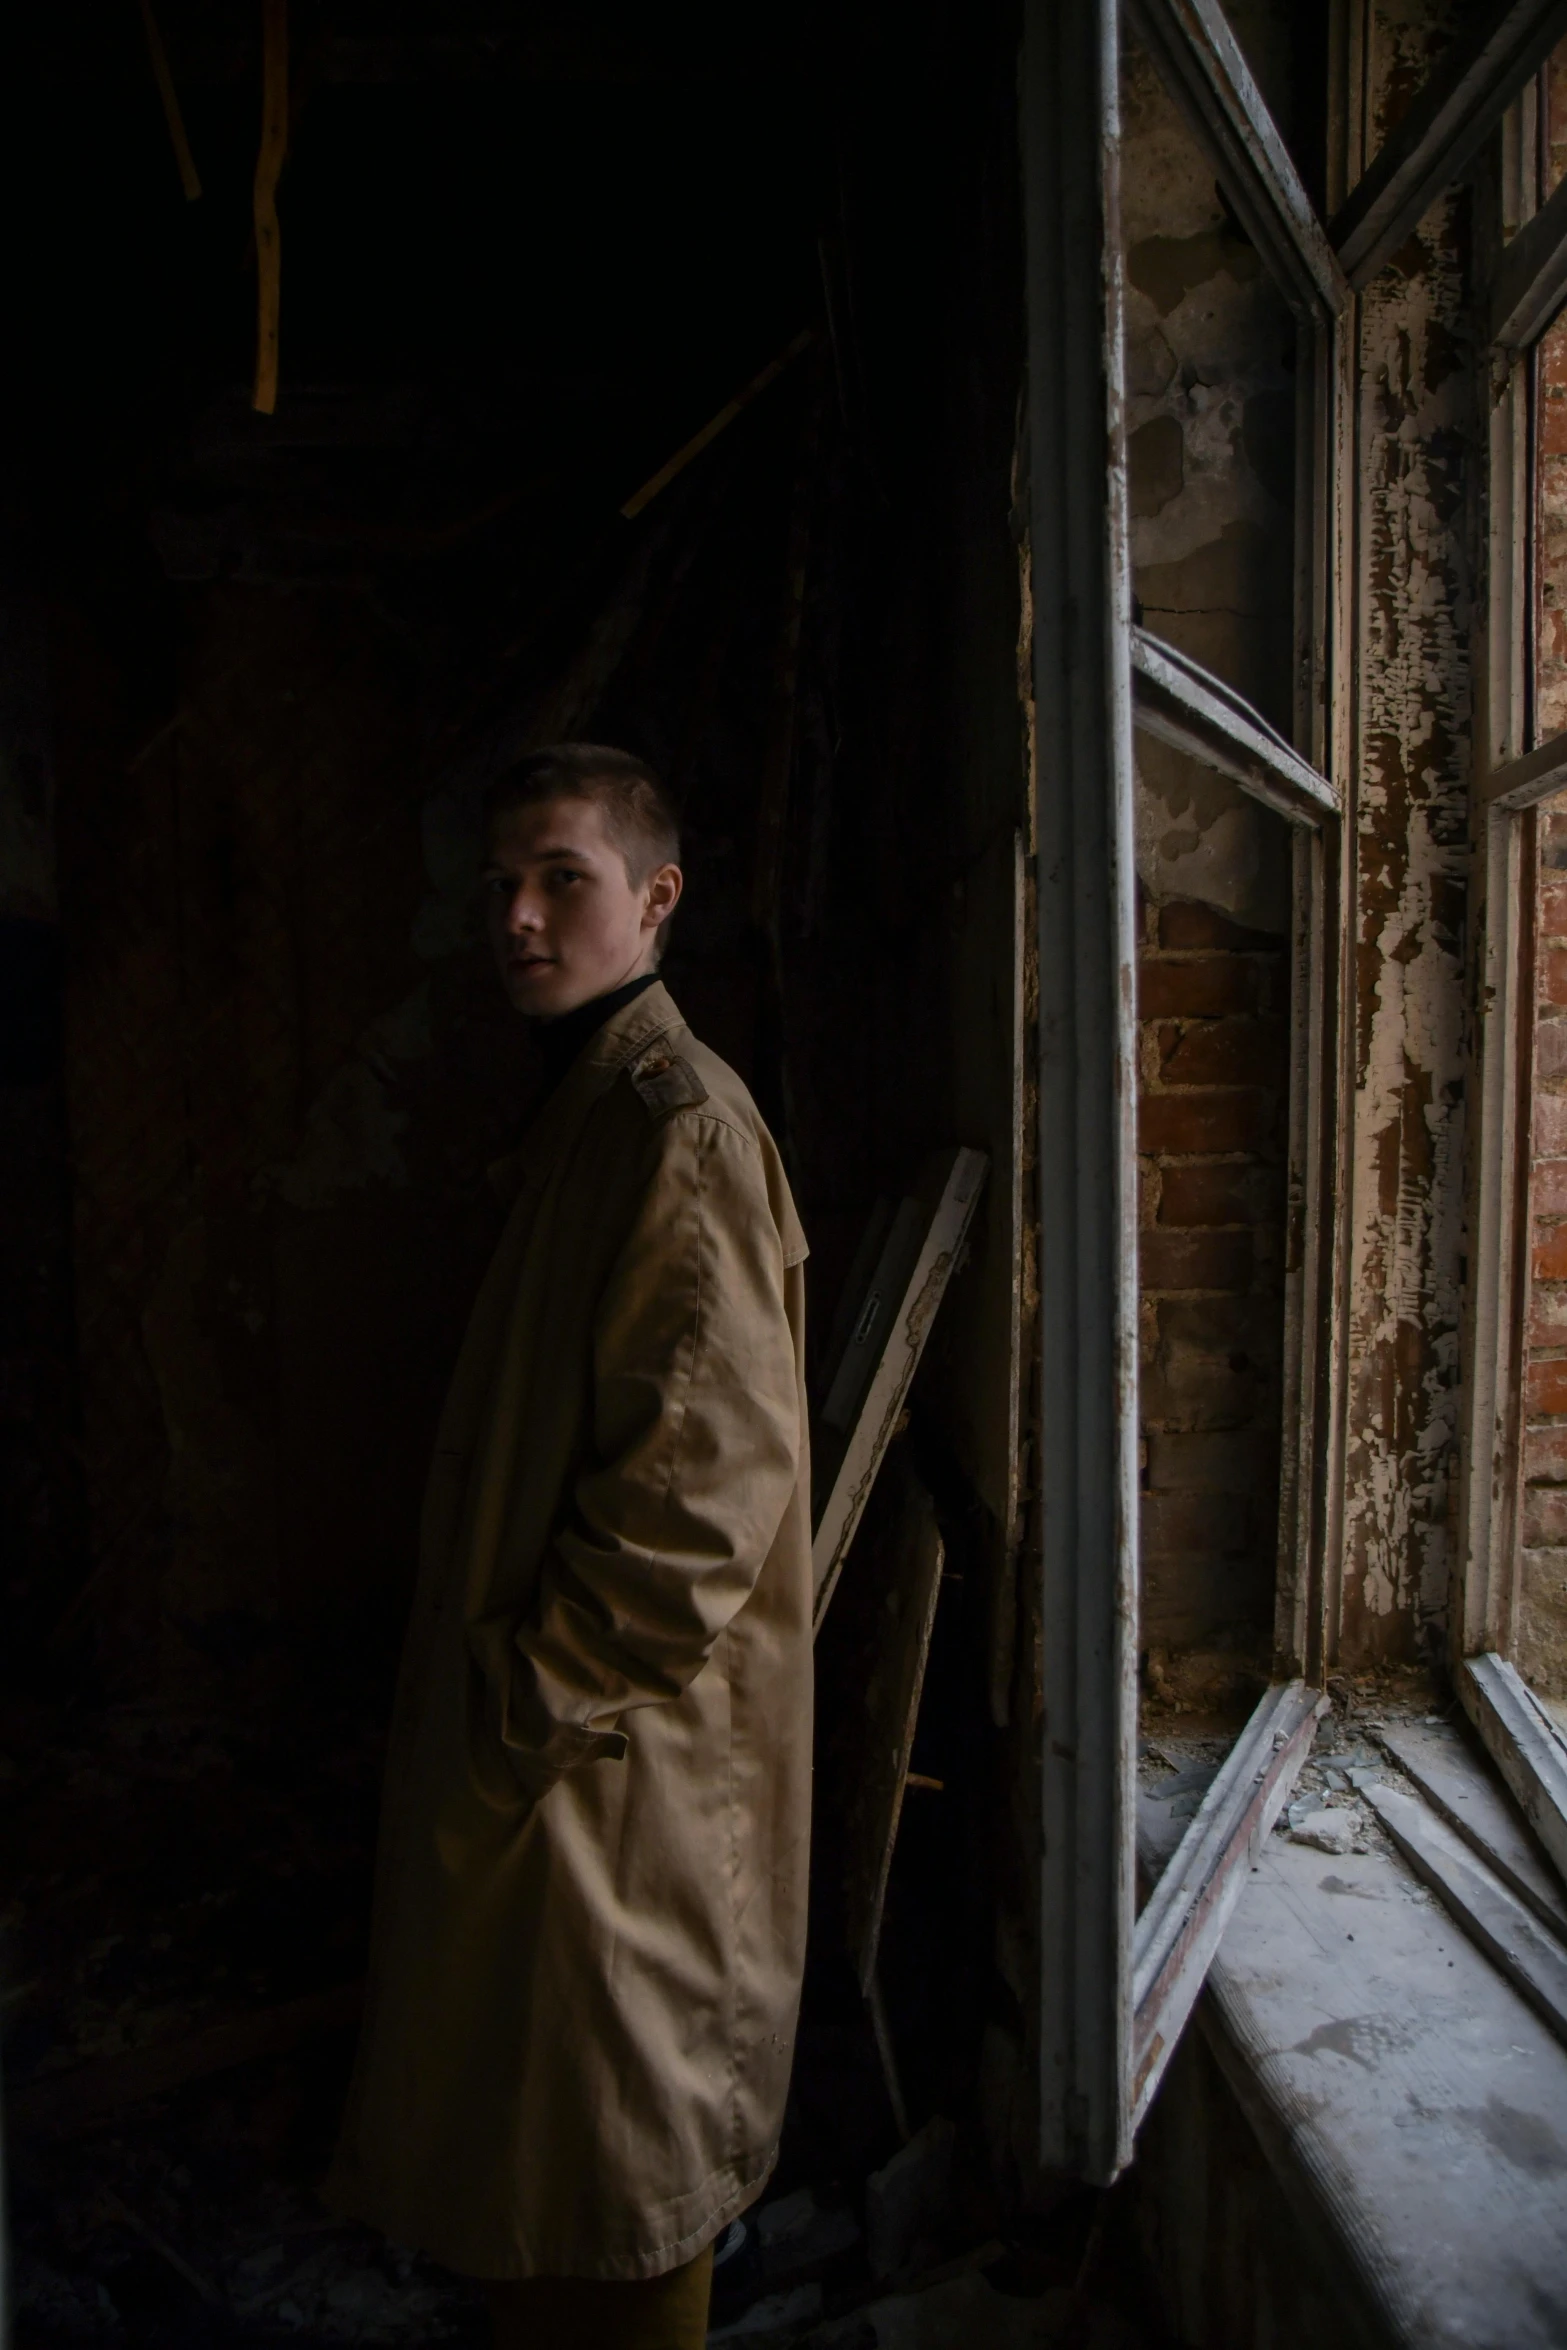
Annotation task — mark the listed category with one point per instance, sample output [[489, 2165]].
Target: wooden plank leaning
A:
[[1462, 1791], [1524, 1743], [882, 1349], [1533, 1959], [1184, 1918], [905, 1619]]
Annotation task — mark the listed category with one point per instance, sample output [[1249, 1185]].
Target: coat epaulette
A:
[[666, 1082]]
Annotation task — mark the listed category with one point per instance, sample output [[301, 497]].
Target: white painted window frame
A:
[[1117, 1987]]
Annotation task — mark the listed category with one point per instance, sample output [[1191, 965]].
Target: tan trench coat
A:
[[590, 1899]]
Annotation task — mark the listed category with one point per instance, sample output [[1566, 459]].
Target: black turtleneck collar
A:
[[561, 1040]]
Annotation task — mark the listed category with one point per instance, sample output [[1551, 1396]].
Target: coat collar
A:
[[624, 1037]]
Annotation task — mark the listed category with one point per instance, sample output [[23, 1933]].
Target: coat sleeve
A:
[[696, 1445]]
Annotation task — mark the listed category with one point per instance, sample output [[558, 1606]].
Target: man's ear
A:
[[663, 893]]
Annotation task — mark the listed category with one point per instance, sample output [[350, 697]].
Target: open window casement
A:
[[1509, 1473], [1118, 1982]]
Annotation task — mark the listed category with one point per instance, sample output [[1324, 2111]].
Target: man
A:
[[590, 1900]]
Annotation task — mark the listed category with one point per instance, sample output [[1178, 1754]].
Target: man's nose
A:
[[523, 913]]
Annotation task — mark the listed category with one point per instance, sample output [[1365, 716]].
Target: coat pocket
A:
[[509, 1768], [492, 1768]]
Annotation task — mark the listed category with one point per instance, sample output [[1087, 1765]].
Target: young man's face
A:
[[565, 919]]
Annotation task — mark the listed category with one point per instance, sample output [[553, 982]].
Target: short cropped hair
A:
[[637, 809]]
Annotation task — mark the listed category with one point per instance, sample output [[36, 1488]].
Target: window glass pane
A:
[[1213, 985], [1211, 389], [1210, 377]]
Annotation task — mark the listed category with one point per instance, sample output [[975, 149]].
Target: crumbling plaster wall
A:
[[1209, 360], [1417, 452]]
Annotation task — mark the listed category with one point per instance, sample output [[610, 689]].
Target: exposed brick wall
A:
[[1214, 1041], [1541, 1630]]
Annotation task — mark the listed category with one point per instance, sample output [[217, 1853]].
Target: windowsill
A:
[[1412, 2106]]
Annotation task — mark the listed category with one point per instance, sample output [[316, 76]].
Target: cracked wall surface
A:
[[1418, 454]]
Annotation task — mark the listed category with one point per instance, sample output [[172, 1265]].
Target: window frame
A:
[[1523, 293], [1117, 1986]]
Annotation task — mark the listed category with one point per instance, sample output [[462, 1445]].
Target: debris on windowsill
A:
[[1325, 1831]]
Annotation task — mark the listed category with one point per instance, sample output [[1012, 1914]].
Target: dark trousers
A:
[[594, 2313]]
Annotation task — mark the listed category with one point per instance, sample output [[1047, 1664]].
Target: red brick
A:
[[1207, 1195], [1182, 1606], [1548, 1187], [1545, 1456], [1550, 1252], [1545, 1388], [1194, 1260], [1551, 976], [1550, 1048], [1185, 1124], [1553, 910], [1223, 1052], [1179, 1462], [1198, 1394], [1548, 1313], [1550, 1125], [1545, 1516], [1183, 924], [1195, 1521], [1203, 988], [1553, 428], [1235, 1328]]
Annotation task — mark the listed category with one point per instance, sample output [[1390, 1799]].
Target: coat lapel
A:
[[622, 1039]]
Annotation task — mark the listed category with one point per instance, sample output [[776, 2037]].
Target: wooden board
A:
[[905, 1617], [1525, 1745], [1456, 1784], [1529, 1954], [1184, 1917], [1411, 2103], [884, 1345], [1084, 1563]]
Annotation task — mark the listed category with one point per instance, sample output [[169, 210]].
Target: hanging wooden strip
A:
[[907, 1586], [884, 1345], [269, 166], [189, 178]]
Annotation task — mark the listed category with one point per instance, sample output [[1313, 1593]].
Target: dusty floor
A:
[[170, 1881]]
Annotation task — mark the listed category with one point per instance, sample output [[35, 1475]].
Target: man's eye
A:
[[563, 877]]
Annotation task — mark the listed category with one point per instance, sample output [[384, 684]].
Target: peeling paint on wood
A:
[[1418, 450]]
